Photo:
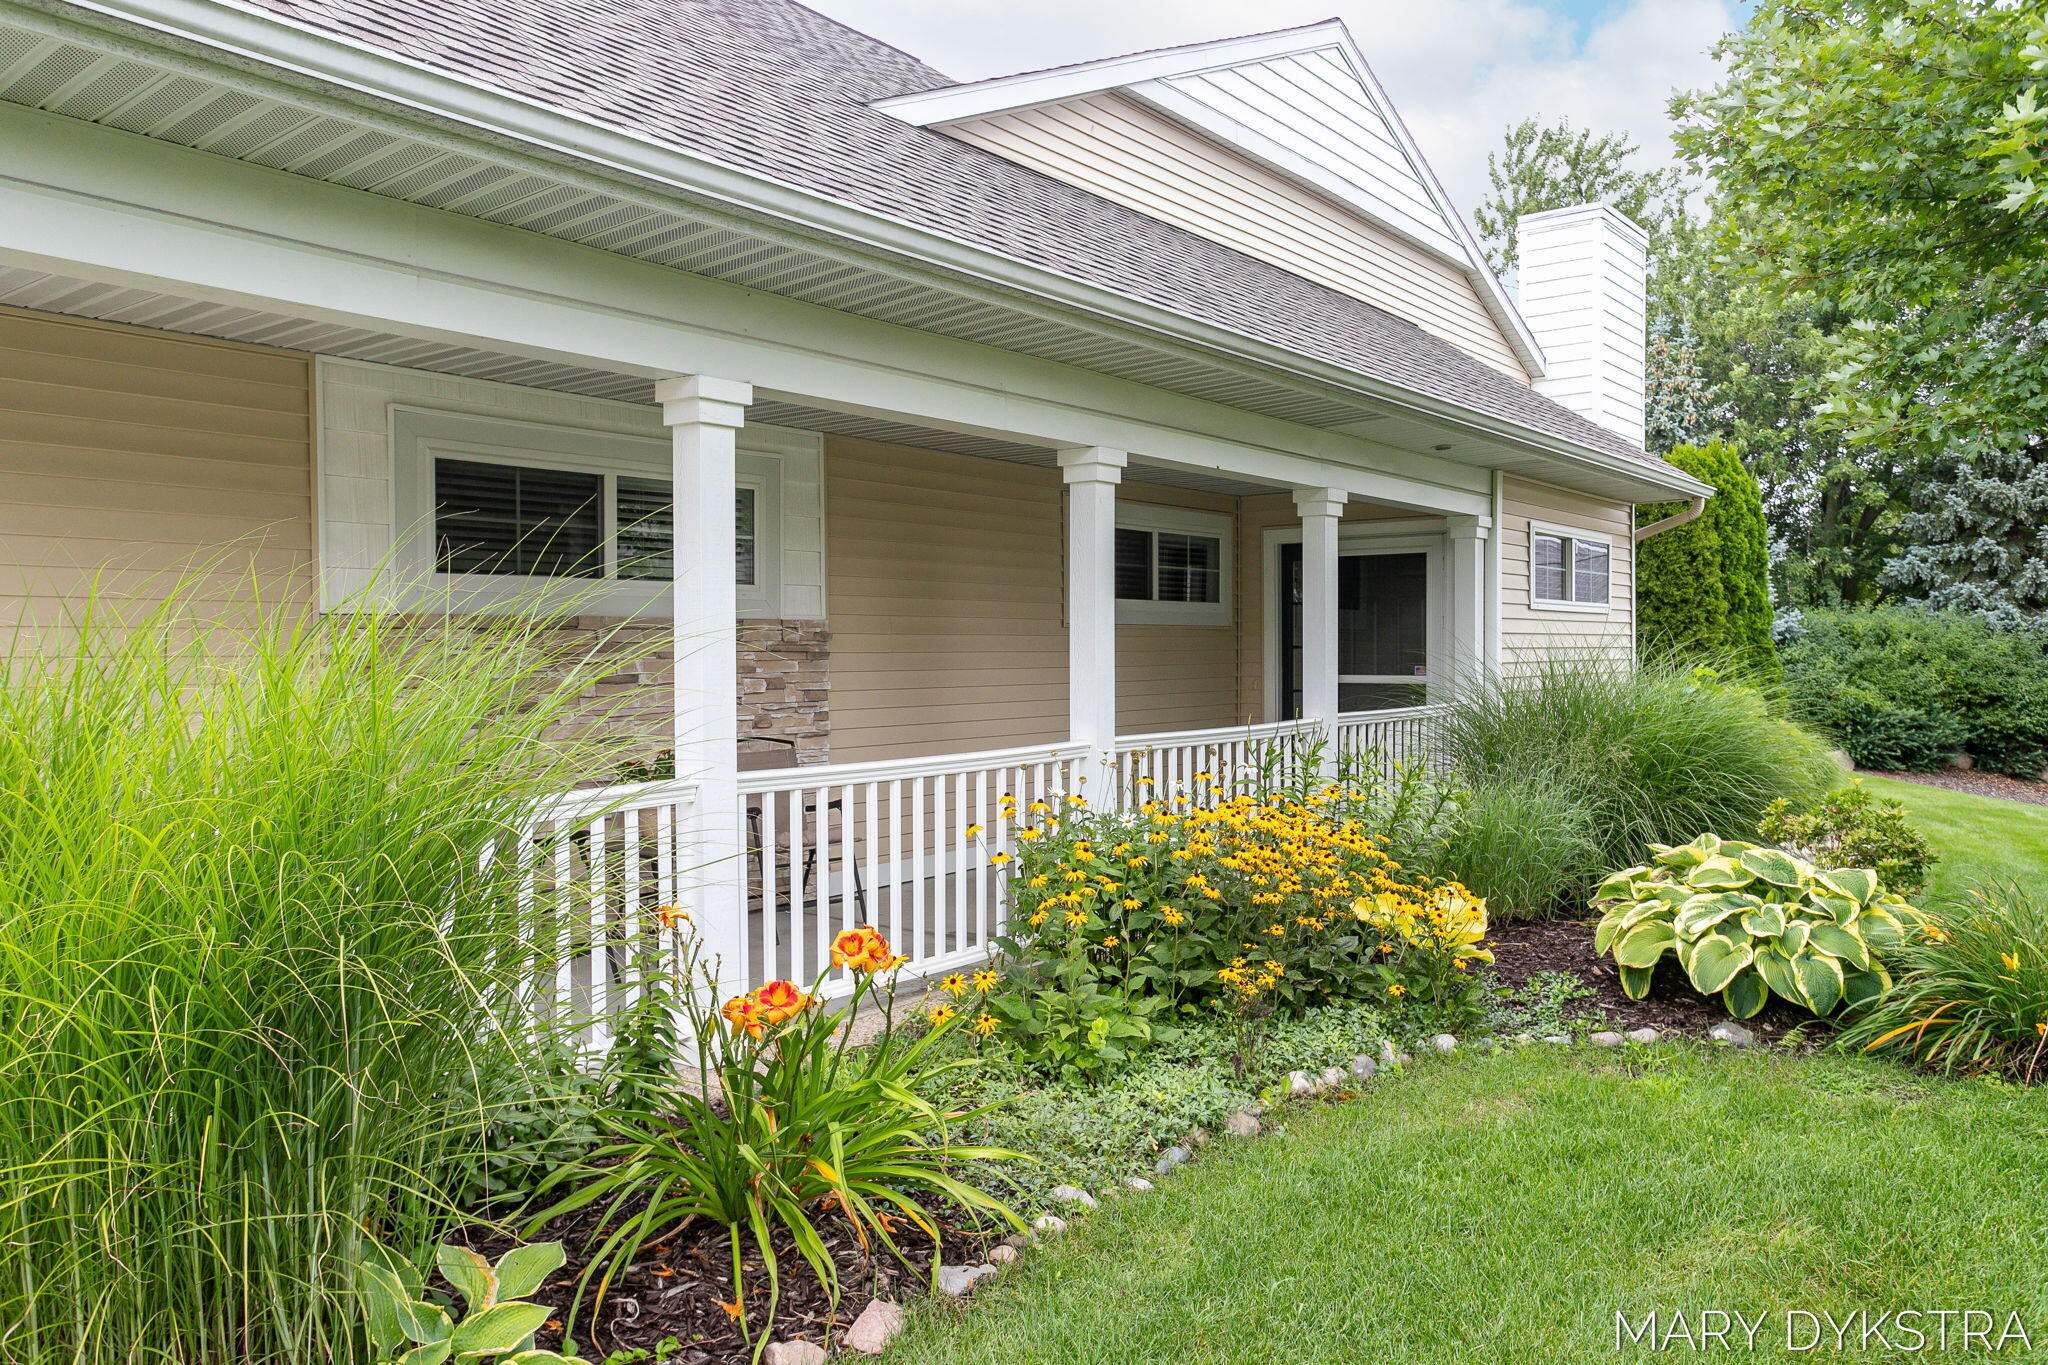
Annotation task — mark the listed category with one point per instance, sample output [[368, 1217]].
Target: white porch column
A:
[[1468, 537], [1092, 474], [704, 415], [1320, 509]]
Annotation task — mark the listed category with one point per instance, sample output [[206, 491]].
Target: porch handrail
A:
[[1265, 729], [898, 769]]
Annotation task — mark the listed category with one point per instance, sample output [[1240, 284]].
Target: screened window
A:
[[1570, 570], [1168, 566], [551, 523]]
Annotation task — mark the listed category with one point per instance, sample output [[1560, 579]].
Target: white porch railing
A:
[[886, 844]]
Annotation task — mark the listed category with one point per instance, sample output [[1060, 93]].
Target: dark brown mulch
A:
[[1523, 949], [677, 1289], [1977, 784]]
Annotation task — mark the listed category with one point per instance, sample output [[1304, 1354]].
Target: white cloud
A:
[[1459, 71]]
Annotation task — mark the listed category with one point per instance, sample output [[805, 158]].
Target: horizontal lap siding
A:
[[1114, 147], [945, 599], [1530, 634], [131, 459]]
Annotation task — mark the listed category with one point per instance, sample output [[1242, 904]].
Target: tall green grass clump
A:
[[260, 985], [1523, 845], [1652, 752]]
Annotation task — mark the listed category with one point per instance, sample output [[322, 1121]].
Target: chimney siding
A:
[[1582, 291]]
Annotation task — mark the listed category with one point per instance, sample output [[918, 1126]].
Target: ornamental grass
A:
[[258, 980]]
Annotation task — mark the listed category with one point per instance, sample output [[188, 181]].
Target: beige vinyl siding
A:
[[1112, 146], [130, 457], [1529, 632], [946, 602]]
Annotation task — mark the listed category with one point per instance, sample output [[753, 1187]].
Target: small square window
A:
[[1569, 570], [1172, 566], [1190, 567]]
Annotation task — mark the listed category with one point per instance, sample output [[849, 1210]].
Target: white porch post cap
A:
[[1092, 464], [1320, 502], [1467, 528], [703, 398]]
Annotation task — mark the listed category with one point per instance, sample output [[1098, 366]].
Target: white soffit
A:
[[1303, 102]]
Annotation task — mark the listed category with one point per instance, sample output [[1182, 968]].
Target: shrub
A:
[[1906, 688], [1747, 922], [1208, 902], [1521, 845], [1655, 753], [1972, 992], [260, 987], [1852, 828], [1702, 589], [790, 1126]]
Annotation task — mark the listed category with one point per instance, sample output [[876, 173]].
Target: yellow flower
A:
[[953, 984], [1040, 880], [1110, 942], [986, 980], [1132, 903], [1037, 918], [985, 1025], [941, 1014], [1077, 918], [1397, 990], [997, 860], [973, 830], [1173, 916], [2012, 964], [1028, 833]]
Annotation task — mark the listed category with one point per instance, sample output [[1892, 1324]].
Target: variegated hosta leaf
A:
[[1718, 874], [1857, 883], [1838, 908], [1766, 921], [1861, 988], [1820, 981], [1793, 941], [1773, 865], [1643, 944], [1838, 942], [1620, 885], [1716, 961], [1880, 929], [1635, 981], [1701, 913], [1776, 970], [1745, 995]]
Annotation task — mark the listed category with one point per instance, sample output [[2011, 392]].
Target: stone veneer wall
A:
[[784, 685]]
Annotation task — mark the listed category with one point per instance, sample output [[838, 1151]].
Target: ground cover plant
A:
[[256, 972], [1493, 1174], [1652, 753]]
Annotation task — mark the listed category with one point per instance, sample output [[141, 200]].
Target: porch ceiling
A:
[[167, 312]]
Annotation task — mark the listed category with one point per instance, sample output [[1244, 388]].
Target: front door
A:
[[1383, 634]]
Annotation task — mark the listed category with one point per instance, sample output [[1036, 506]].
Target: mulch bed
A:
[[1522, 949], [1978, 784], [678, 1288]]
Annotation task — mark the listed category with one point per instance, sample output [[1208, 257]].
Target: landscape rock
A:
[[871, 1331], [1300, 1083], [1197, 1139], [794, 1353], [1445, 1042], [1051, 1224], [1731, 1033], [1137, 1184], [1073, 1194], [1560, 1039], [1523, 1039], [1005, 1254], [1242, 1125], [1606, 1038], [1333, 1078], [1170, 1158], [956, 1280], [1388, 1054], [1643, 1035], [1404, 1059], [1364, 1068]]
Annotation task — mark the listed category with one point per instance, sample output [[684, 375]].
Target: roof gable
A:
[[1300, 101]]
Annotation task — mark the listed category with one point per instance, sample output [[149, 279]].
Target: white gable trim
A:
[[1150, 76]]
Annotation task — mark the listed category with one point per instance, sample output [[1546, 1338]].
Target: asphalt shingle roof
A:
[[781, 90]]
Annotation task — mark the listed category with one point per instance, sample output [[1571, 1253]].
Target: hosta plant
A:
[[408, 1328], [1749, 922]]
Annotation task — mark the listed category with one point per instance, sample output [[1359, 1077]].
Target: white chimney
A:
[[1582, 281]]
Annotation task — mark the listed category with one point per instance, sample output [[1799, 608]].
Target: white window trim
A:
[[1141, 516], [375, 499], [1569, 534]]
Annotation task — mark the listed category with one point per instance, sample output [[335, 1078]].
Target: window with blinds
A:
[[1570, 569], [1168, 566]]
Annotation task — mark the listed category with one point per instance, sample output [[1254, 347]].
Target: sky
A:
[[1459, 71]]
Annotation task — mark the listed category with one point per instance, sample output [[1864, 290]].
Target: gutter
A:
[[1672, 523], [260, 45]]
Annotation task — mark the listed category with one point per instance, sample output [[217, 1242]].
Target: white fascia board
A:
[[979, 99], [331, 63]]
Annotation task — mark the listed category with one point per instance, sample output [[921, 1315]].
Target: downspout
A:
[[1672, 523]]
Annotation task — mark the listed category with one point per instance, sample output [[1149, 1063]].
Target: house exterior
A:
[[964, 436]]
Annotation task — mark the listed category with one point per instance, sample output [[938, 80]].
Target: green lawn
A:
[[1980, 838], [1506, 1208]]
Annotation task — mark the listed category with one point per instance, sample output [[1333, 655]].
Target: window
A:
[[1567, 570], [534, 522], [1172, 566]]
